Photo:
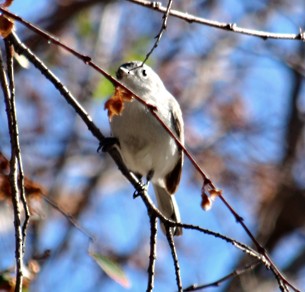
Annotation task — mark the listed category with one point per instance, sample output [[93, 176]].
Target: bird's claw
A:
[[141, 188], [107, 143]]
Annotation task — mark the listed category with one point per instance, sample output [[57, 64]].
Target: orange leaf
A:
[[215, 193], [206, 202], [115, 104], [6, 26]]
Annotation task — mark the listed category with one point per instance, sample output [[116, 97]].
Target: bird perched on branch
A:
[[145, 145]]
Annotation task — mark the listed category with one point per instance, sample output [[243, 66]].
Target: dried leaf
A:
[[6, 26], [215, 193], [112, 269], [206, 202], [208, 196], [115, 104], [4, 164], [5, 188], [32, 189]]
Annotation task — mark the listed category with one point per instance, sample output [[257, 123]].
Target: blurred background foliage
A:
[[243, 102]]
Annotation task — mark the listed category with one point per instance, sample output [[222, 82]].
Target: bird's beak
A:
[[122, 71]]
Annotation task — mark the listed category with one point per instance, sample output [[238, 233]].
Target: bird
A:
[[145, 146]]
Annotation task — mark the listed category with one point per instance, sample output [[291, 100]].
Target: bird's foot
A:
[[141, 188], [107, 143]]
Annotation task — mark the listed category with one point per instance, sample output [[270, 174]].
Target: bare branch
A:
[[282, 281], [171, 243], [13, 176], [153, 252], [221, 25], [163, 28], [217, 283], [10, 73], [169, 224]]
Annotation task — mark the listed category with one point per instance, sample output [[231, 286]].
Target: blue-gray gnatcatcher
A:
[[145, 146]]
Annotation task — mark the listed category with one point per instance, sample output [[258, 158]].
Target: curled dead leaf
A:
[[206, 202], [6, 26], [208, 196], [115, 104], [215, 193]]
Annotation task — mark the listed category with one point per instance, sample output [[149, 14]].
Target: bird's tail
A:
[[168, 207]]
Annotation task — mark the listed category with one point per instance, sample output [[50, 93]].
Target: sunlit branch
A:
[[232, 27], [171, 243], [10, 73], [13, 175], [153, 252]]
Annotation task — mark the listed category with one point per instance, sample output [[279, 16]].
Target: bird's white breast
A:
[[144, 144]]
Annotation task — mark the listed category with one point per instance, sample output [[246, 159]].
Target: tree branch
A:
[[10, 73], [163, 28], [13, 175], [229, 276], [171, 243], [220, 25], [153, 252]]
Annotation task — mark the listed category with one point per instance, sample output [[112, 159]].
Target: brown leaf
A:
[[5, 188], [32, 189], [206, 202], [6, 26], [4, 164], [208, 196], [115, 104], [215, 193]]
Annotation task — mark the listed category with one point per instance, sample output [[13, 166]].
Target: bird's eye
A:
[[144, 73]]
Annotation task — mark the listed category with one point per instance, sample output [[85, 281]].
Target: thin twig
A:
[[264, 258], [220, 25], [162, 29], [243, 247], [282, 281], [68, 216], [13, 175], [152, 253], [229, 276], [171, 243], [10, 73]]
